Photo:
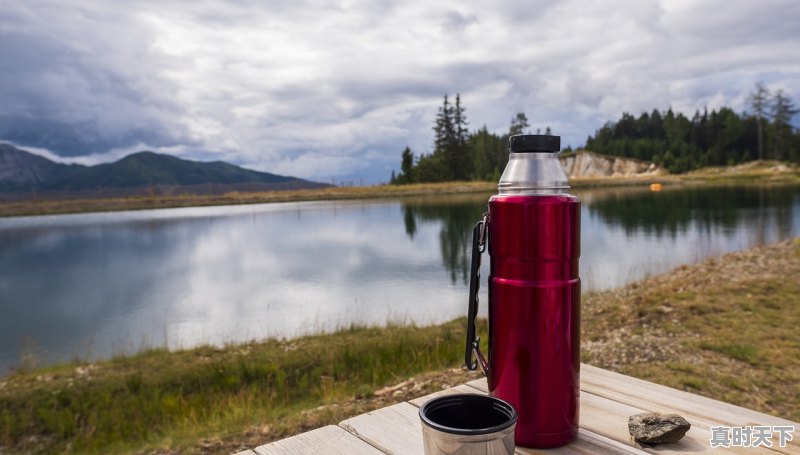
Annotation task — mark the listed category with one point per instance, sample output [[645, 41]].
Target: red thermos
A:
[[533, 233]]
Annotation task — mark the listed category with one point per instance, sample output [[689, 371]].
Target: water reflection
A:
[[455, 218], [671, 212], [94, 285], [629, 233]]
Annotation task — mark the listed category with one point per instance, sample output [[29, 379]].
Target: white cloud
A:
[[323, 90]]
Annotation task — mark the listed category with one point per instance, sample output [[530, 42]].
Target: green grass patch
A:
[[745, 353], [694, 383], [155, 396]]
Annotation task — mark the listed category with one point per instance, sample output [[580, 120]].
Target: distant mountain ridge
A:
[[20, 169], [25, 171]]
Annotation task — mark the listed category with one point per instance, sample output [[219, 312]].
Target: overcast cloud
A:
[[327, 90]]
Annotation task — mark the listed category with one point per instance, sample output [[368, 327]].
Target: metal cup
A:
[[468, 425]]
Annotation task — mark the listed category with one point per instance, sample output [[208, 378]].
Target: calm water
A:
[[95, 285]]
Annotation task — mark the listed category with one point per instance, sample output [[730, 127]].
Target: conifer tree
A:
[[443, 128], [519, 124], [782, 110], [758, 101], [459, 157]]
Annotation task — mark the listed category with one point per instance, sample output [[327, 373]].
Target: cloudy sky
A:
[[336, 89]]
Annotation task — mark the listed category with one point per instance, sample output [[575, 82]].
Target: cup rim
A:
[[496, 403]]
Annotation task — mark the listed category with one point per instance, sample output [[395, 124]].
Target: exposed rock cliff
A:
[[584, 163]]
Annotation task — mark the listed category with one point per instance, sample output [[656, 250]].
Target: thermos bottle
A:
[[533, 234]]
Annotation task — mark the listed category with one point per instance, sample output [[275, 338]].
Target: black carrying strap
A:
[[479, 235]]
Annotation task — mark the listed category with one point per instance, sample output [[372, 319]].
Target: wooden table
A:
[[607, 400]]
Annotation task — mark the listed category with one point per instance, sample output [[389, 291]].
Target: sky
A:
[[333, 91]]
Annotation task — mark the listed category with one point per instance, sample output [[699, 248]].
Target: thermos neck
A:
[[537, 173]]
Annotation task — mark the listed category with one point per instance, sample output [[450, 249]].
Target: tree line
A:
[[717, 138], [459, 154], [671, 140]]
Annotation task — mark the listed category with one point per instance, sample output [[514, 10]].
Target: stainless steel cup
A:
[[468, 425]]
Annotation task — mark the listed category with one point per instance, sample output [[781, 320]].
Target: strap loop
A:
[[479, 235]]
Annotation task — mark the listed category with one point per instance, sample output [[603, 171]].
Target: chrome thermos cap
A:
[[533, 167]]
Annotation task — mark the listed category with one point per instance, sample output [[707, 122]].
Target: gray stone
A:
[[654, 428]]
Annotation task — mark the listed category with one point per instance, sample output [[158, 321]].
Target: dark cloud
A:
[[57, 96], [337, 89]]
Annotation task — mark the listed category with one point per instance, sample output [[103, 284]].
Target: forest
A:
[[672, 140]]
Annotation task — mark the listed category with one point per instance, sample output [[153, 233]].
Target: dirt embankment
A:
[[586, 164]]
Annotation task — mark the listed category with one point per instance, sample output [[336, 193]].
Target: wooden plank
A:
[[463, 388], [609, 418], [644, 396], [394, 430], [398, 430], [245, 452], [587, 443], [641, 393], [326, 440], [701, 411], [607, 400], [480, 384]]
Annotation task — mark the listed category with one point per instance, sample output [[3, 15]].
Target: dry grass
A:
[[50, 206], [725, 328], [758, 171]]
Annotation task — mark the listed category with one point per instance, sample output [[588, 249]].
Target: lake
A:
[[91, 286]]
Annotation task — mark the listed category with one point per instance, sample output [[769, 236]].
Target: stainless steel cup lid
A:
[[468, 414]]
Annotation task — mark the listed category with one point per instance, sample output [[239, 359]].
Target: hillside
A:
[[148, 168], [20, 169], [23, 173]]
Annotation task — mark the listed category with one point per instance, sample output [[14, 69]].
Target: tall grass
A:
[[129, 401]]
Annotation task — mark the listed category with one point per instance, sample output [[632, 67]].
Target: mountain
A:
[[148, 168], [23, 171]]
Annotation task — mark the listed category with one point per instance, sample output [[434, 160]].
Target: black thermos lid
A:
[[522, 143]]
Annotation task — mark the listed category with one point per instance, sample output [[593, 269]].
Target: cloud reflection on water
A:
[[98, 284]]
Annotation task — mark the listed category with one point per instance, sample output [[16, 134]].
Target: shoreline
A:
[[757, 173], [722, 328]]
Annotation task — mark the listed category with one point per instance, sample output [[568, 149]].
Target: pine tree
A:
[[450, 154], [459, 157], [758, 101], [406, 166], [443, 128], [460, 122], [782, 110], [519, 124]]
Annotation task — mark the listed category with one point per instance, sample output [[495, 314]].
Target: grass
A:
[[58, 206], [725, 328], [755, 172], [161, 399], [743, 352]]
